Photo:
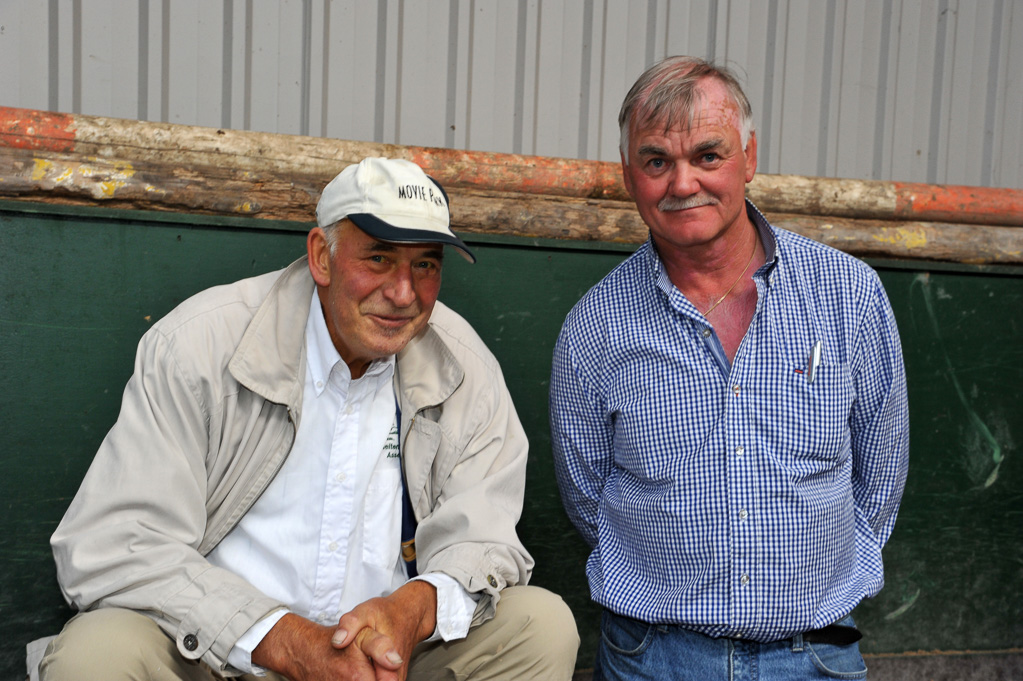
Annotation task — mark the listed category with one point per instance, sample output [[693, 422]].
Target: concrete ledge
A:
[[952, 666]]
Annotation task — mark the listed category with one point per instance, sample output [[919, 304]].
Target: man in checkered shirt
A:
[[728, 411]]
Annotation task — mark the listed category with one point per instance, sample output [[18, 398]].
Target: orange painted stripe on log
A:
[[516, 173], [949, 203], [32, 129]]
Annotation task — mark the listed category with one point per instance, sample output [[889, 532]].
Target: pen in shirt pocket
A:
[[813, 362]]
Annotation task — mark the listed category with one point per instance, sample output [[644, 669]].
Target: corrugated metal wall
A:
[[914, 90]]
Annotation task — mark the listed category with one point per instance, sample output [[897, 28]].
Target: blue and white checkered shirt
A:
[[736, 500]]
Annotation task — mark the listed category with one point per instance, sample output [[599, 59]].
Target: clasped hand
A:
[[373, 642]]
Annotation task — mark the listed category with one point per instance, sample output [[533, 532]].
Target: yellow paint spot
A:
[[243, 207], [117, 178], [42, 166], [64, 176], [910, 238]]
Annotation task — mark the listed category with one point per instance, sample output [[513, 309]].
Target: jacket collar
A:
[[427, 372], [270, 359]]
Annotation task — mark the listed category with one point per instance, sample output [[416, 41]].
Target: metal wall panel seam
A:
[[518, 131], [165, 60], [882, 91], [603, 134], [585, 68], [247, 77], [305, 115], [764, 143], [451, 90], [824, 114], [76, 52], [380, 99], [937, 91], [53, 68], [991, 101], [227, 64]]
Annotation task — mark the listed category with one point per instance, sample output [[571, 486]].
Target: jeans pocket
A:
[[625, 636], [837, 662]]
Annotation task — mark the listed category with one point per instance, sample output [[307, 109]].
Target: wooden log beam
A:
[[31, 174], [292, 156], [618, 221]]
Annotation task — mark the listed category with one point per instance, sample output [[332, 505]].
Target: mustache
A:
[[672, 203]]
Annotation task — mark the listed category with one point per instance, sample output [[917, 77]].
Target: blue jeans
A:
[[631, 650]]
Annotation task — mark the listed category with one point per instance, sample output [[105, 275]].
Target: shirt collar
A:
[[325, 361], [765, 231]]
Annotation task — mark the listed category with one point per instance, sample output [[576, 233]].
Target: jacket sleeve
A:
[[129, 538], [466, 468]]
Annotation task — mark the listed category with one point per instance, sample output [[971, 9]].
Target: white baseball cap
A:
[[391, 200]]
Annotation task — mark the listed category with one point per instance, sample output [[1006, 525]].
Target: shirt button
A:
[[190, 642], [348, 410], [744, 580], [340, 477], [332, 546], [735, 389], [492, 581], [740, 450], [706, 333], [319, 384], [743, 514]]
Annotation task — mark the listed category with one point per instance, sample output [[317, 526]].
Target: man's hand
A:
[[373, 642], [387, 629]]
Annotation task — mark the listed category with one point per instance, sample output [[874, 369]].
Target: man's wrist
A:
[[278, 646], [420, 598]]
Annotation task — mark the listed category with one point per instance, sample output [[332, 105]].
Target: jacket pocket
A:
[[419, 458]]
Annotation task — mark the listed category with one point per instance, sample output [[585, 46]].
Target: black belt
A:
[[833, 634]]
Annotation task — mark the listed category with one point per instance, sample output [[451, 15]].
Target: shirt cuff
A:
[[240, 656], [455, 607]]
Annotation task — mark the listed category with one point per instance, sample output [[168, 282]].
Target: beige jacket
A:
[[206, 421]]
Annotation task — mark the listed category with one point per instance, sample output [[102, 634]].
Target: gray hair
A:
[[667, 92], [331, 233]]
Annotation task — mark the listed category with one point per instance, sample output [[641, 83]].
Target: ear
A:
[[319, 256], [751, 156]]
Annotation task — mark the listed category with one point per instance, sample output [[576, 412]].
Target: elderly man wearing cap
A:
[[316, 474]]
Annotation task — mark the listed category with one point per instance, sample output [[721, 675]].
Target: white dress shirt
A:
[[325, 535]]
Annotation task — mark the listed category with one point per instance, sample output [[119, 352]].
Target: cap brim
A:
[[378, 229]]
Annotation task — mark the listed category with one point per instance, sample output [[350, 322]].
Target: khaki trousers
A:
[[533, 636]]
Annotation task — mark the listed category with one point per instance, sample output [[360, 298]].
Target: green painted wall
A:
[[79, 287]]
